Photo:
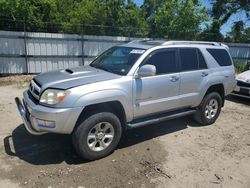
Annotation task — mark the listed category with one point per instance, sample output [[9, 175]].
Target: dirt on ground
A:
[[20, 81], [176, 153]]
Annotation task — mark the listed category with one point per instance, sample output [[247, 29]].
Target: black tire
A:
[[80, 135], [201, 116]]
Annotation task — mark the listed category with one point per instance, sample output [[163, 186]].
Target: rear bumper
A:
[[40, 119]]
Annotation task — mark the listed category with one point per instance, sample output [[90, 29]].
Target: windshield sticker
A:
[[136, 51]]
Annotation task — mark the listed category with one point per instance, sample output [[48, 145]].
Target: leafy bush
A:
[[240, 65]]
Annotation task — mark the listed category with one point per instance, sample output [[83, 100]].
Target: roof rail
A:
[[172, 42], [148, 41]]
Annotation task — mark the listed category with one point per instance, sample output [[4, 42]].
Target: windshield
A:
[[118, 60]]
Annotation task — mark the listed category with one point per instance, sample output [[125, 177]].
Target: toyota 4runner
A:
[[128, 86]]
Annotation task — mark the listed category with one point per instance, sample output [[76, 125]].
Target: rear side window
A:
[[221, 56], [192, 59], [163, 60], [189, 60]]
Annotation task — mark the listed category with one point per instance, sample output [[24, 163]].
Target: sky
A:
[[227, 26]]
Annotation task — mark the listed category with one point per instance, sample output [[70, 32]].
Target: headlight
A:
[[53, 96], [242, 78]]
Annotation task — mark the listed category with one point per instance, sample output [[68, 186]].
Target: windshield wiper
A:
[[104, 68]]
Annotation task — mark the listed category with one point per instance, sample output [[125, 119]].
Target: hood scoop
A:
[[69, 71]]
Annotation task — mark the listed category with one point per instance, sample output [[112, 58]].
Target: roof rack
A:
[[191, 42], [176, 42]]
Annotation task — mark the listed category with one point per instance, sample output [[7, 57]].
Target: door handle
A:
[[174, 78], [204, 74]]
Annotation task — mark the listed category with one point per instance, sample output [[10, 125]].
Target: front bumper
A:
[[40, 119], [241, 91]]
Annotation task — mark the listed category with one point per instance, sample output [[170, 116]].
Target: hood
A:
[[68, 78], [245, 76]]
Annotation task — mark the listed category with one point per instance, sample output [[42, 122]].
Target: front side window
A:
[[163, 60], [118, 60]]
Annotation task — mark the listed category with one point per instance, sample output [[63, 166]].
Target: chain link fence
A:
[[70, 28]]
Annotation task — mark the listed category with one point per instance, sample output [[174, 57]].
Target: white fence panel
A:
[[48, 51], [10, 65]]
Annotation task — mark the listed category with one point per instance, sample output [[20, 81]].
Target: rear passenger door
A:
[[193, 75]]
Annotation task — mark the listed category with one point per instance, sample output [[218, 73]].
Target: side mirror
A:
[[146, 70]]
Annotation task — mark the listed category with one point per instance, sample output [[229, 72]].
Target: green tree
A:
[[38, 15], [85, 17], [132, 20], [247, 34], [176, 19], [16, 10], [156, 18], [237, 33], [221, 11]]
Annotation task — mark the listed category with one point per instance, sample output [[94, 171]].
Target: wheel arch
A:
[[219, 88], [115, 107]]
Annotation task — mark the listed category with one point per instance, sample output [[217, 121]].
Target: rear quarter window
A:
[[221, 56]]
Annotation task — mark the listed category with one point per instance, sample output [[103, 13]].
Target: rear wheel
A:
[[209, 109], [97, 136]]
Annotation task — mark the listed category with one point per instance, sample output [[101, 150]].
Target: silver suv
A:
[[128, 86]]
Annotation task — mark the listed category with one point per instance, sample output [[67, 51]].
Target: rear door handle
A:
[[174, 78], [204, 74]]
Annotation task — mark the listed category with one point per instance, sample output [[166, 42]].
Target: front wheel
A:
[[209, 109], [97, 136]]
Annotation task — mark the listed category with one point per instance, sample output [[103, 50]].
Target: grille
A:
[[243, 84], [34, 89]]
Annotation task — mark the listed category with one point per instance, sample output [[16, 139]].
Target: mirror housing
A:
[[146, 70]]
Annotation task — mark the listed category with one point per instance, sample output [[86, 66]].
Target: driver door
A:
[[158, 93]]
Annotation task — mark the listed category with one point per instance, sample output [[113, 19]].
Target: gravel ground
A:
[[177, 153]]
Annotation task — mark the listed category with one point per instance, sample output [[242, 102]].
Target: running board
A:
[[160, 118]]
